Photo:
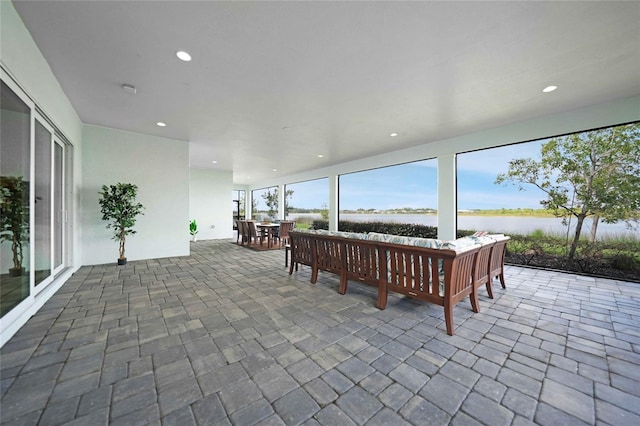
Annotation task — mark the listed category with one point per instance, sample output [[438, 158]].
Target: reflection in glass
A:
[[14, 199]]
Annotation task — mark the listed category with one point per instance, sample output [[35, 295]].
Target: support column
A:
[[333, 202], [447, 197], [281, 197]]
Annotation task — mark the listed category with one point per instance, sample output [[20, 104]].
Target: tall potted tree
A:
[[14, 218], [119, 209]]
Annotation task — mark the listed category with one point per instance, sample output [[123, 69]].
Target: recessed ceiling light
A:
[[393, 135], [285, 128], [320, 155], [183, 56], [161, 124], [274, 170], [549, 89], [214, 162]]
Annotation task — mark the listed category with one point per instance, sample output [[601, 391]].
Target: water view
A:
[[497, 224]]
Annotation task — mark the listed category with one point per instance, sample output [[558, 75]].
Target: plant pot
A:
[[194, 238], [16, 272], [122, 261]]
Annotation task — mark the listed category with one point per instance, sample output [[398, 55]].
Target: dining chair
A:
[[253, 233], [283, 233], [242, 231]]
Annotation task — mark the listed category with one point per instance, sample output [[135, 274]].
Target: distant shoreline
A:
[[431, 212]]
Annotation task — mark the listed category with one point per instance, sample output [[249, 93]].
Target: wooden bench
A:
[[434, 275]]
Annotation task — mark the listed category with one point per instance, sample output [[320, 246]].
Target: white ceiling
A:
[[272, 85]]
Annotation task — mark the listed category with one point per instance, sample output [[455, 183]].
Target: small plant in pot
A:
[[14, 218], [119, 209], [193, 229]]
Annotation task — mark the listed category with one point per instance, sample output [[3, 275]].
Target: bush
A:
[[405, 229]]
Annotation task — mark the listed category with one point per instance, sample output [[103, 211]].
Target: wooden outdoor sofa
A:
[[430, 270]]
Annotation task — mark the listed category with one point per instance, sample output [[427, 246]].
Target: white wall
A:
[[21, 59], [210, 203], [160, 168]]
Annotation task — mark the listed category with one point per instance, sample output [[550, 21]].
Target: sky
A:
[[415, 184]]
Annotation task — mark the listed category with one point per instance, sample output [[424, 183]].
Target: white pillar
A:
[[333, 202], [447, 197], [281, 197]]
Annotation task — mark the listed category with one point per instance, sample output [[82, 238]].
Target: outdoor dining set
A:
[[256, 234]]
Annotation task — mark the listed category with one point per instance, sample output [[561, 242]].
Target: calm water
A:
[[498, 224]]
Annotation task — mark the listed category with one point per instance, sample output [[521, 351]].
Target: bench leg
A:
[[343, 284], [382, 296], [448, 317], [489, 289], [501, 276], [314, 275], [475, 304]]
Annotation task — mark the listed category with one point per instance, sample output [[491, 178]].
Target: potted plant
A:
[[14, 218], [193, 229], [119, 208]]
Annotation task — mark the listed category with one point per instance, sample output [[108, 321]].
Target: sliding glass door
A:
[[48, 211], [15, 172], [32, 201]]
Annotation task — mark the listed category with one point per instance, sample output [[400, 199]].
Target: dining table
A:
[[268, 230]]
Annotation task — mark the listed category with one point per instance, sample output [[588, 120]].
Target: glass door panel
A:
[[58, 205], [42, 234], [15, 156]]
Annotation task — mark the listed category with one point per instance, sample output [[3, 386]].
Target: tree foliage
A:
[[120, 209], [591, 174], [14, 215], [271, 200]]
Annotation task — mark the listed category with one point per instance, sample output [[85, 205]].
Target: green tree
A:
[[591, 174], [120, 209], [14, 217], [271, 200], [324, 212]]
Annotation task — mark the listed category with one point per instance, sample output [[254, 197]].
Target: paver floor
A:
[[226, 336]]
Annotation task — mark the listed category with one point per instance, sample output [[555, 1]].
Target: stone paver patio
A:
[[226, 336]]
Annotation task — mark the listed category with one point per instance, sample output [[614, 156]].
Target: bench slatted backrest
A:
[[482, 267], [302, 248], [496, 265], [362, 261], [415, 271], [329, 253]]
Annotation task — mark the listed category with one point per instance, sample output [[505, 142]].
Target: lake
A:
[[497, 224]]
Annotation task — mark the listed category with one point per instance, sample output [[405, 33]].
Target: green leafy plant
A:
[[193, 228], [119, 209], [14, 217], [591, 174]]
